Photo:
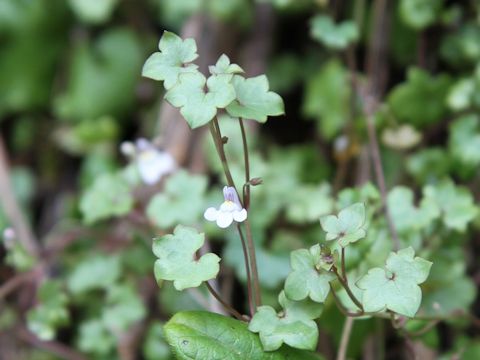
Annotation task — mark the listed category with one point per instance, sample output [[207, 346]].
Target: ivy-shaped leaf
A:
[[454, 202], [334, 36], [347, 227], [108, 196], [196, 105], [180, 202], [51, 313], [172, 60], [396, 287], [310, 276], [406, 217], [464, 140], [293, 325], [254, 101], [176, 259], [206, 335], [223, 66]]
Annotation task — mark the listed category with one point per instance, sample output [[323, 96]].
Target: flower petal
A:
[[240, 216], [211, 214], [224, 219]]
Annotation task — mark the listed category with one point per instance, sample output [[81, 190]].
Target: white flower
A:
[[230, 210], [152, 164]]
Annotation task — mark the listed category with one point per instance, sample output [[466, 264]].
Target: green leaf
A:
[[205, 335], [223, 66], [310, 276], [307, 203], [108, 196], [334, 36], [102, 77], [406, 217], [454, 202], [181, 201], [327, 97], [254, 101], [172, 60], [51, 312], [396, 287], [293, 326], [95, 338], [464, 140], [196, 105], [176, 259], [407, 101], [347, 227], [155, 347], [418, 14], [461, 94], [429, 165], [123, 309], [94, 272], [93, 11]]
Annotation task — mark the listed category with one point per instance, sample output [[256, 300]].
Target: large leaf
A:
[[199, 335]]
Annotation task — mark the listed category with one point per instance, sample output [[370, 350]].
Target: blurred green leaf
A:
[[102, 77], [327, 97], [94, 338], [307, 203], [464, 140], [51, 312], [407, 101], [93, 11], [94, 272], [347, 227], [108, 196], [155, 347], [419, 14], [334, 36], [180, 202]]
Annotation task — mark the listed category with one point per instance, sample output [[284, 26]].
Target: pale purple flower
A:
[[152, 164], [230, 210]]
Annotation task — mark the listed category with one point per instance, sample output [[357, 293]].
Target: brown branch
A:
[[11, 207], [346, 332], [53, 347]]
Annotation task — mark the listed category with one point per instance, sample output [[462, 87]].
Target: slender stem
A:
[[342, 308], [377, 166], [344, 273], [247, 267], [253, 264], [227, 307], [347, 288], [15, 282], [246, 194], [346, 332], [217, 138]]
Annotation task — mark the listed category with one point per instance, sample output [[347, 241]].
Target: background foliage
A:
[[71, 92]]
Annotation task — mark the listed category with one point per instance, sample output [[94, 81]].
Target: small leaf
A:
[[454, 202], [464, 140], [254, 101], [51, 312], [396, 287], [293, 326], [180, 202], [223, 66], [418, 14], [108, 196], [334, 36], [196, 105], [94, 272], [347, 227], [176, 259], [310, 276], [205, 335], [172, 60]]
